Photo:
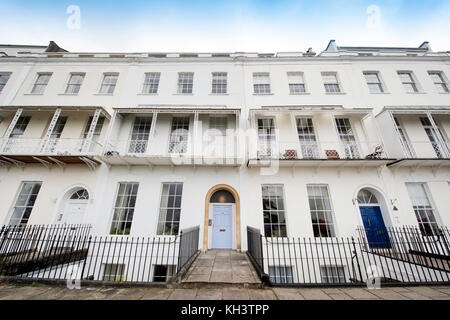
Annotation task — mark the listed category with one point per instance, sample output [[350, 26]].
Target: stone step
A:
[[221, 267]]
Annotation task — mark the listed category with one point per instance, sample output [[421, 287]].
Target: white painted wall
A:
[[343, 183]]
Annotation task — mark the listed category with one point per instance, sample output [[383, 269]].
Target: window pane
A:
[[185, 82], [108, 84], [348, 140], [422, 208], [274, 212], [179, 135], [321, 213], [4, 77], [151, 83], [219, 82], [261, 83], [170, 209], [140, 135], [124, 208], [24, 203]]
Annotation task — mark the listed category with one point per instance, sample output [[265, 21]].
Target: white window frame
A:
[[116, 276], [3, 83], [103, 84], [159, 232], [155, 79], [265, 84], [380, 82], [413, 81], [274, 150], [75, 84], [292, 77], [327, 278], [42, 85], [117, 221], [326, 83], [284, 212], [26, 205], [279, 272], [172, 145], [432, 208], [351, 150], [221, 81], [334, 230], [310, 147], [139, 146], [410, 153], [443, 84], [170, 272], [438, 148], [182, 82]]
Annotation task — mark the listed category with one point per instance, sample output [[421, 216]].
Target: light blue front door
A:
[[222, 227]]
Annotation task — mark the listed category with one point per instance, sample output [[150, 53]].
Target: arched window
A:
[[81, 194], [222, 196], [366, 197]]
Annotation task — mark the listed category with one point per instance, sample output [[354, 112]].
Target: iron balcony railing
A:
[[302, 149], [349, 261], [50, 147], [426, 149], [210, 147], [70, 252]]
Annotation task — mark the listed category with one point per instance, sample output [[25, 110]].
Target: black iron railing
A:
[[188, 246], [394, 258], [70, 252], [23, 250], [254, 250]]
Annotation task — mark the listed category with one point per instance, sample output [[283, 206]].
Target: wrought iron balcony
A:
[[49, 147], [310, 150]]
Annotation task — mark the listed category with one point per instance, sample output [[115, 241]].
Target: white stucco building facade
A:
[[297, 144]]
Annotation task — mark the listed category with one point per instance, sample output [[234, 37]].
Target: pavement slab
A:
[[209, 294], [183, 294], [288, 294], [220, 292]]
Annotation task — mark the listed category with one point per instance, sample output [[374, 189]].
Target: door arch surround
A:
[[237, 210]]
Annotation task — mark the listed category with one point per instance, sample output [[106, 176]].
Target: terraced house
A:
[[307, 148]]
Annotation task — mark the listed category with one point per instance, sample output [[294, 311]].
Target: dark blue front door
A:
[[376, 232]]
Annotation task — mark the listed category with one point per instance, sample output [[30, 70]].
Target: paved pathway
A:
[[42, 292], [222, 266]]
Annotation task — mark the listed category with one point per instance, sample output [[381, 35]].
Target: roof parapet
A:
[[333, 49]]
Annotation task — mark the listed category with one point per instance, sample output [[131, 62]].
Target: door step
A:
[[223, 268]]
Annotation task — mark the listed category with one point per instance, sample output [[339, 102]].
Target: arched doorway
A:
[[222, 219], [374, 225], [73, 206]]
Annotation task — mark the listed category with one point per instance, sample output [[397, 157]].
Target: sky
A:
[[224, 26]]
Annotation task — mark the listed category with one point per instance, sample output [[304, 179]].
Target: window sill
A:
[[147, 94], [420, 92], [103, 94], [263, 94], [33, 94], [300, 94], [68, 94], [183, 94], [219, 94], [379, 93], [336, 93]]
